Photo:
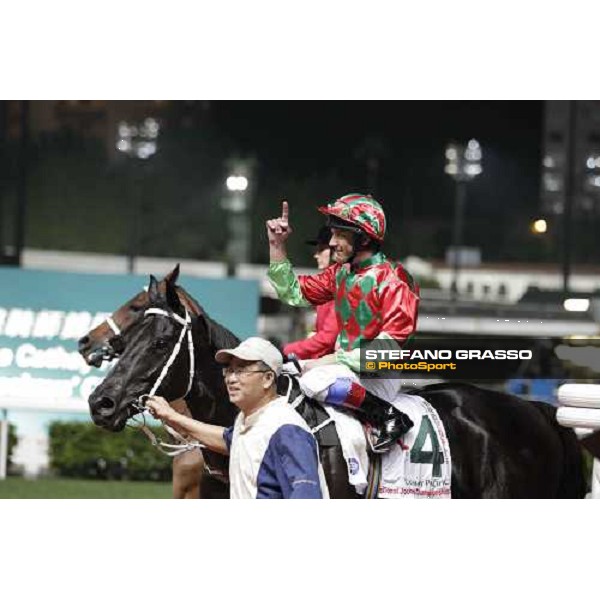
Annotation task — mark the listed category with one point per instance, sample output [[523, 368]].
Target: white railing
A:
[[580, 409], [3, 443]]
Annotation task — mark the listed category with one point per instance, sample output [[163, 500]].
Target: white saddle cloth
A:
[[354, 447], [420, 466]]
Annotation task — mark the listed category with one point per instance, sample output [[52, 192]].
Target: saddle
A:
[[322, 423], [312, 411], [315, 414]]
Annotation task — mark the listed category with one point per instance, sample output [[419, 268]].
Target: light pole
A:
[[570, 191], [22, 182], [463, 163], [237, 204], [139, 141]]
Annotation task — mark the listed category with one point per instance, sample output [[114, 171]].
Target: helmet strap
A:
[[357, 238], [351, 258]]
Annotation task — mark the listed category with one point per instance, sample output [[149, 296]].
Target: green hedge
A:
[[84, 450], [12, 442]]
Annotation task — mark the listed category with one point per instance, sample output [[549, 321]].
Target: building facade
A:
[[581, 119]]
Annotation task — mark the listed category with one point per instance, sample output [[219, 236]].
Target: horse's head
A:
[[106, 341], [157, 358]]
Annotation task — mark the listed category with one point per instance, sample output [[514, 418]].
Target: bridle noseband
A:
[[112, 324], [111, 347]]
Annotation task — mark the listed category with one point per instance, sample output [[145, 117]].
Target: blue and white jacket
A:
[[273, 454]]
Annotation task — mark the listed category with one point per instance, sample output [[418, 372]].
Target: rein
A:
[[184, 445]]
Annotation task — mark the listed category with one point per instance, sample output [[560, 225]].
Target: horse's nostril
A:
[[105, 406], [84, 340]]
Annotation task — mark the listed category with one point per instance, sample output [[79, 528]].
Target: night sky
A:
[[312, 139], [301, 137], [308, 152]]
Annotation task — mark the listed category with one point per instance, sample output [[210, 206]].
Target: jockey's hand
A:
[[278, 230], [307, 365], [159, 408]]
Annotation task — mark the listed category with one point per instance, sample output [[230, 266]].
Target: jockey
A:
[[322, 341], [375, 299]]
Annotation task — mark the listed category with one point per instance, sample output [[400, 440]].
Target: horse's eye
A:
[[133, 308], [159, 344]]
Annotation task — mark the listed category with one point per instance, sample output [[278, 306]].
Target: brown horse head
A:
[[105, 342]]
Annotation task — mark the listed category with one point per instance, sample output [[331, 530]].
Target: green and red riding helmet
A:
[[357, 212]]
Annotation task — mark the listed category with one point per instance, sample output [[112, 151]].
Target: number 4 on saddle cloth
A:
[[418, 466]]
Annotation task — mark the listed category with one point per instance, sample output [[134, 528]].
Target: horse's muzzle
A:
[[102, 408], [92, 353], [106, 413]]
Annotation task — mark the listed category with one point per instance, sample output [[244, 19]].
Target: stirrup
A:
[[370, 438]]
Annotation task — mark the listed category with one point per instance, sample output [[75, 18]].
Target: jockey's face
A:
[[341, 242], [322, 256]]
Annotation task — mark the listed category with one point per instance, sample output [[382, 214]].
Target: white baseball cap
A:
[[254, 348]]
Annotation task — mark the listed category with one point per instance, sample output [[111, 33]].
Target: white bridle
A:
[[186, 328], [184, 445], [113, 325]]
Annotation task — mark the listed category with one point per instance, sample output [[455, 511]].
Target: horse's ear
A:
[[153, 292], [173, 299], [173, 275]]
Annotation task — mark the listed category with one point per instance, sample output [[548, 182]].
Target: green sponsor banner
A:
[[44, 313]]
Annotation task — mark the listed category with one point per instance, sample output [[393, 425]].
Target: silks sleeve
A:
[[286, 284], [399, 308], [320, 288], [323, 341], [305, 289]]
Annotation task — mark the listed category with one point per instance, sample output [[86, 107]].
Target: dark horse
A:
[[501, 446], [107, 341]]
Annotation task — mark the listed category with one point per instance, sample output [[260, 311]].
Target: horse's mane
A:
[[220, 337]]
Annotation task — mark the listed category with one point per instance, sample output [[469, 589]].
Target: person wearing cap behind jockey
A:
[[273, 453], [322, 342], [375, 299]]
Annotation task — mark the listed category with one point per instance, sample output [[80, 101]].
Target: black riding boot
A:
[[391, 423]]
